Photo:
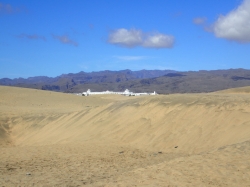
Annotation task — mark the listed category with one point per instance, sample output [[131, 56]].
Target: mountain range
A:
[[161, 81]]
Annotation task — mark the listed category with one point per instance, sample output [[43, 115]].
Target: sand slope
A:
[[112, 140], [243, 90]]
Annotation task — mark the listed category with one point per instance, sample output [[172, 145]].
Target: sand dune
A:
[[236, 90], [111, 140]]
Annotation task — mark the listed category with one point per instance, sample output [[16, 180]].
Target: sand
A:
[[57, 139]]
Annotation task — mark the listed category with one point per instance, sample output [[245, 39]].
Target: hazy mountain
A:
[[193, 82], [178, 82], [161, 81], [67, 82]]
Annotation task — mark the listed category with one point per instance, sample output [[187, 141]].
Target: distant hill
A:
[[73, 82], [193, 81], [161, 81]]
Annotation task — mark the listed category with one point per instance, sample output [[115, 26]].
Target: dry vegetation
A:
[[56, 139]]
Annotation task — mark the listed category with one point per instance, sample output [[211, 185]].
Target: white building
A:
[[126, 93]]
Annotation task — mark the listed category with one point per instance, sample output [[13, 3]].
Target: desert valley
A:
[[59, 139]]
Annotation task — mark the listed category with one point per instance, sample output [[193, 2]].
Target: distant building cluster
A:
[[125, 93]]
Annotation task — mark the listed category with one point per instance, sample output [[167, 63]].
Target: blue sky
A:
[[55, 37]]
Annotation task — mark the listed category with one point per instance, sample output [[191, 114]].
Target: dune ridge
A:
[[245, 90], [139, 137]]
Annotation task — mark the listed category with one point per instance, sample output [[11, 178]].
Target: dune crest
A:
[[243, 90]]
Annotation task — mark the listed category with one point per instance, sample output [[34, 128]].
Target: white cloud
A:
[[235, 25], [159, 41], [32, 36], [6, 8], [134, 37], [65, 40], [199, 20], [130, 58], [126, 38], [9, 9]]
